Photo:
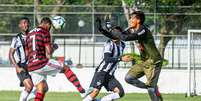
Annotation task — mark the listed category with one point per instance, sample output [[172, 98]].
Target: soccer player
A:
[[18, 47], [39, 50], [152, 60], [104, 73]]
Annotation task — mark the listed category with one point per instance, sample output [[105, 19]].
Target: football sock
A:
[[88, 98], [39, 96], [32, 94], [73, 79], [23, 96], [152, 94], [110, 97], [157, 92]]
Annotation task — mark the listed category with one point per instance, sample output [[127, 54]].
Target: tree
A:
[[170, 24]]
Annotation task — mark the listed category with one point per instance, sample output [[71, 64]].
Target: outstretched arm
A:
[[103, 31]]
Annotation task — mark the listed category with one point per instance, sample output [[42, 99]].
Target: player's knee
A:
[[129, 79], [120, 91], [28, 86], [94, 93], [151, 90]]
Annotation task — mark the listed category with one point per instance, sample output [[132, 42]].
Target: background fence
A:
[[84, 44]]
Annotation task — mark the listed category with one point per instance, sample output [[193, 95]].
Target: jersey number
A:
[[33, 38]]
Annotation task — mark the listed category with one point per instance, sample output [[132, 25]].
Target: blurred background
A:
[[81, 44], [169, 20]]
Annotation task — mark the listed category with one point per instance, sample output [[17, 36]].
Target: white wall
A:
[[171, 81]]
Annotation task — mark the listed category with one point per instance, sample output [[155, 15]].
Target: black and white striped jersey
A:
[[18, 45], [110, 59]]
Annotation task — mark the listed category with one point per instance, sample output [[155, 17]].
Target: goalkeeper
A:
[[152, 60]]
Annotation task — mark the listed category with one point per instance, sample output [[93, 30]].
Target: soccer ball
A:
[[58, 22]]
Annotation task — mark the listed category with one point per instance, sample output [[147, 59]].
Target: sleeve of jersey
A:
[[14, 43], [108, 34], [128, 36], [108, 53], [109, 59], [47, 40]]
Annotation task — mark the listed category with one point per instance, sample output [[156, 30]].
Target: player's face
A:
[[24, 25], [134, 21], [47, 26]]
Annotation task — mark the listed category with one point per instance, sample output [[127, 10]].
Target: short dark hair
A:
[[139, 15], [46, 20], [24, 18], [118, 28]]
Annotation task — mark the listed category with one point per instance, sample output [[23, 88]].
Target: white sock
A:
[[110, 97], [88, 98], [23, 96], [32, 94]]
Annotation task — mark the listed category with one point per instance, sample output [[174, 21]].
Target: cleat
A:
[[87, 92]]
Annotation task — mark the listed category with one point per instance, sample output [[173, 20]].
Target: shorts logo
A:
[[98, 83]]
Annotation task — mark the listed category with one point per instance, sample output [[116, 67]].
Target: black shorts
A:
[[22, 76], [104, 79]]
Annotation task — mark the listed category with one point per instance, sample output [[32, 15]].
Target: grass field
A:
[[52, 96]]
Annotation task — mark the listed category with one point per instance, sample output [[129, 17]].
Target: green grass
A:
[[53, 96]]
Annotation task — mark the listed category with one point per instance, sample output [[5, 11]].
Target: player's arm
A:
[[103, 31], [48, 51], [130, 36], [48, 46], [108, 58], [12, 58]]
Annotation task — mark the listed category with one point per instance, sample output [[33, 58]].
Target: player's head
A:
[[117, 31], [24, 24], [46, 23], [137, 18]]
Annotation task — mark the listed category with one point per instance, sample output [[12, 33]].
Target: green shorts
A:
[[149, 69]]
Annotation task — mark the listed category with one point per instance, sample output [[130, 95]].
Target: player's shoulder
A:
[[16, 36], [38, 30], [35, 30], [109, 42]]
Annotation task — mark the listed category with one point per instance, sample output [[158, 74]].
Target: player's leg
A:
[[41, 89], [92, 95], [152, 73], [32, 94], [26, 81], [70, 75], [133, 75], [116, 87], [39, 78], [97, 82]]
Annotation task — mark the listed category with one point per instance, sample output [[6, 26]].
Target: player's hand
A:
[[55, 46], [126, 58]]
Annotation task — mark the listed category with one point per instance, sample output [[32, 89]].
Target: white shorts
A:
[[51, 68]]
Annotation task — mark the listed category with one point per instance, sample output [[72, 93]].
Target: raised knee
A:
[[128, 78], [120, 91], [151, 89]]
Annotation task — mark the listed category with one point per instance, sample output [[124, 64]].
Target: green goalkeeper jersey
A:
[[144, 39]]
